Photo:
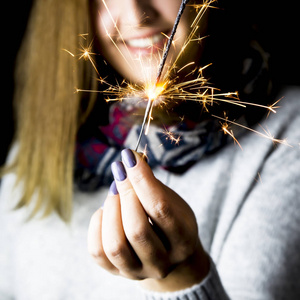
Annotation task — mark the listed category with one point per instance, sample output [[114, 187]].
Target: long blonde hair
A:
[[46, 105]]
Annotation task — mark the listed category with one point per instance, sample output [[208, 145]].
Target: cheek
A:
[[104, 24], [168, 8]]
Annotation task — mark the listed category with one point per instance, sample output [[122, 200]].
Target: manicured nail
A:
[[118, 170], [128, 158], [113, 189]]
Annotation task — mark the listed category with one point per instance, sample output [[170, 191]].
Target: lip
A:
[[147, 43]]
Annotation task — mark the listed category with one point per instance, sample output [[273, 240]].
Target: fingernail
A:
[[113, 189], [118, 170], [128, 158]]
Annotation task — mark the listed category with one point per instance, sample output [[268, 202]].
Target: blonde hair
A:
[[47, 106]]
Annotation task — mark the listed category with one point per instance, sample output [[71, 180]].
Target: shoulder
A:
[[287, 117], [263, 203], [283, 127], [275, 140], [274, 153]]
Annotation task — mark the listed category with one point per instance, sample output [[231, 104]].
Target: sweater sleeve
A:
[[210, 288]]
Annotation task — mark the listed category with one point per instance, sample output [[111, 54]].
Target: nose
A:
[[136, 13]]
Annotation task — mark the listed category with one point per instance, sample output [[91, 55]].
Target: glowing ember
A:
[[154, 91]]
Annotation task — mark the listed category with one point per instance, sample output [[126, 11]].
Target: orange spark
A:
[[266, 133], [226, 130], [172, 137]]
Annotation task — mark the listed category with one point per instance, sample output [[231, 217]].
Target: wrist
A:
[[192, 271]]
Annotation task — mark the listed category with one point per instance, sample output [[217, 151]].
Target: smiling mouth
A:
[[155, 40]]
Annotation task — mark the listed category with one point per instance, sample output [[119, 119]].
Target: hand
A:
[[146, 231]]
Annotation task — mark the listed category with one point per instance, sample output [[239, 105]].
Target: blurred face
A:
[[132, 34]]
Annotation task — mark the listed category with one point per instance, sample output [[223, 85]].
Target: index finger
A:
[[142, 179], [166, 209]]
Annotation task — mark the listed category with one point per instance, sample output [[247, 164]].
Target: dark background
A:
[[277, 22]]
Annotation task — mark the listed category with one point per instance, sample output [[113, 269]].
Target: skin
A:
[[138, 19], [167, 255], [146, 232]]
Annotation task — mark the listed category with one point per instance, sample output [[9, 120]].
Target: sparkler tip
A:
[[153, 91]]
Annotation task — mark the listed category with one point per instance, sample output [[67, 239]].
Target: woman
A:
[[236, 233]]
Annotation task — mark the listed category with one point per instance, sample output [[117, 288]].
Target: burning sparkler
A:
[[168, 88], [155, 93]]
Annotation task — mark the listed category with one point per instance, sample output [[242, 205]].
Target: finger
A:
[[94, 240], [150, 192], [143, 239], [143, 155], [115, 244], [168, 211], [139, 232]]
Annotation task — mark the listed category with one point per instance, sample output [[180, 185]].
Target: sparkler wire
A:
[[161, 66]]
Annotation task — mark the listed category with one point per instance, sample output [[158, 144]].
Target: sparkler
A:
[[161, 66], [168, 89]]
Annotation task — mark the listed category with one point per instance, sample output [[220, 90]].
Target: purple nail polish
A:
[[113, 189], [118, 170], [128, 158]]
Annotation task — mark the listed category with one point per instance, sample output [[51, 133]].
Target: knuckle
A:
[[188, 246], [139, 235], [127, 193], [161, 210], [97, 253], [184, 248], [161, 272], [115, 250], [137, 177], [190, 238]]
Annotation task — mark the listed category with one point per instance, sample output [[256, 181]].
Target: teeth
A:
[[145, 42]]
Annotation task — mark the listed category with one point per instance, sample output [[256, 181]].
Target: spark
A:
[[168, 86], [172, 137], [227, 130], [69, 52], [185, 66], [201, 9], [83, 35], [273, 107], [114, 43], [85, 53], [266, 134], [258, 179], [149, 107], [144, 153], [153, 91]]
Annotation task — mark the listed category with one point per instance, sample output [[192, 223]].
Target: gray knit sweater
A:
[[247, 204]]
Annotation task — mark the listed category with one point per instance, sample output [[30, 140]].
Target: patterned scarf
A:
[[174, 148]]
